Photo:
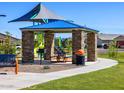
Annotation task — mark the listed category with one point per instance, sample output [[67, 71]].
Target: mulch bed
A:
[[36, 68]]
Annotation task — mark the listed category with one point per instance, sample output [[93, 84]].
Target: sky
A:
[[105, 17]]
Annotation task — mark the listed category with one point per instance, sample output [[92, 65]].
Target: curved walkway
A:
[[28, 79]]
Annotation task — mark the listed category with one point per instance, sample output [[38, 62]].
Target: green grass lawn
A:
[[107, 79]]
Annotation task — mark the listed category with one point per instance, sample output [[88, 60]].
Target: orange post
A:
[[17, 66]]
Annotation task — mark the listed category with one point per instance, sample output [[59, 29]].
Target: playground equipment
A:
[[41, 54], [62, 49], [60, 53], [39, 43], [68, 45], [39, 47], [59, 49], [58, 42]]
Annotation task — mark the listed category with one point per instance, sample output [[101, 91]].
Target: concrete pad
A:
[[22, 80]]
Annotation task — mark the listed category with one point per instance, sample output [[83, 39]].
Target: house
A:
[[120, 41], [105, 39], [13, 39]]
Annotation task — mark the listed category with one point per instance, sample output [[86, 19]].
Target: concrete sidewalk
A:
[[23, 80]]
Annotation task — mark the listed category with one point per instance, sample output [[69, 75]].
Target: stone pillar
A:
[[27, 46], [77, 43], [49, 45], [91, 46]]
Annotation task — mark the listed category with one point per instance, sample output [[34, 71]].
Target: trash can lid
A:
[[80, 52]]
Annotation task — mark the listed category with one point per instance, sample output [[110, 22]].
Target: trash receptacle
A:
[[80, 58]]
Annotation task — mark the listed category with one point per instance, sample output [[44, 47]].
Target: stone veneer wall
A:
[[49, 45], [77, 43], [91, 46], [27, 46]]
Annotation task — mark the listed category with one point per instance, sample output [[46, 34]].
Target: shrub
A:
[[113, 50]]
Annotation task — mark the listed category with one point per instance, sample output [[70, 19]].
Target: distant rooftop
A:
[[108, 36], [3, 35]]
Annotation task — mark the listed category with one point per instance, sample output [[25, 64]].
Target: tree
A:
[[7, 47]]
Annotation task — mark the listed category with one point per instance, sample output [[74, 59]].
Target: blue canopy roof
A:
[[39, 14], [58, 25]]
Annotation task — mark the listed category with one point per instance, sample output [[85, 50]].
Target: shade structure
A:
[[60, 24], [49, 29], [39, 14]]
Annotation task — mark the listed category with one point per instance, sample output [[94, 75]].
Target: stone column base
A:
[[91, 46], [27, 46], [77, 43], [49, 45]]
